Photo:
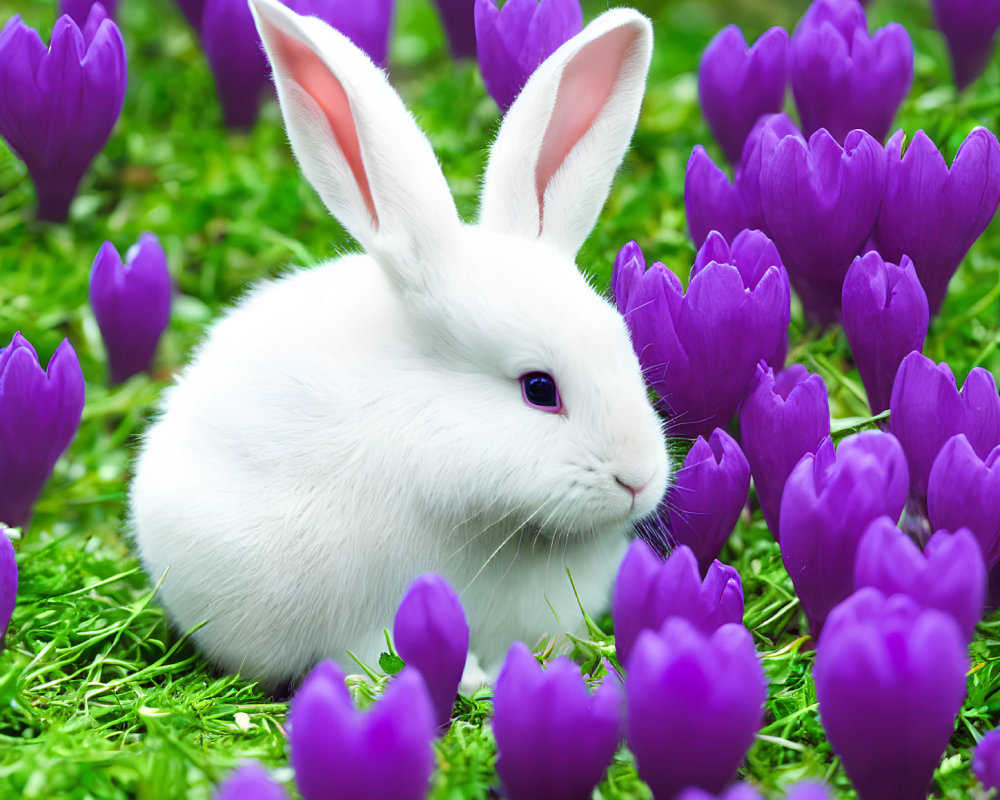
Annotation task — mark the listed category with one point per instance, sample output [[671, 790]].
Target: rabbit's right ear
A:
[[357, 144]]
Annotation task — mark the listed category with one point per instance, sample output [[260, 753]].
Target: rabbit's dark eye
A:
[[539, 390]]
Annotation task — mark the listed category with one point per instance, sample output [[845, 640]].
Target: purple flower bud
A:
[[737, 84], [963, 491], [648, 591], [885, 318], [431, 634], [820, 202], [781, 420], [711, 202], [986, 760], [554, 738], [131, 303], [235, 54], [59, 104], [949, 575], [707, 495], [738, 791], [927, 409], [8, 583], [192, 10], [829, 500], [695, 703], [699, 350], [760, 145], [366, 24], [39, 414], [842, 78], [250, 782], [79, 10], [808, 791], [932, 213], [459, 21], [969, 27], [384, 753], [890, 679], [513, 41]]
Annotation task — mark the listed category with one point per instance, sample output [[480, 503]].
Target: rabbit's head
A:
[[536, 377]]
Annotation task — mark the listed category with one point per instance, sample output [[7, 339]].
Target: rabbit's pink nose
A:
[[633, 489]]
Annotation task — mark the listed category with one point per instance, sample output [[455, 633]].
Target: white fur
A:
[[349, 427]]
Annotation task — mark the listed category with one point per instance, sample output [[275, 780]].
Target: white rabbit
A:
[[349, 427]]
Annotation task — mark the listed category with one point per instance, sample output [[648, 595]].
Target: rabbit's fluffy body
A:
[[351, 426]]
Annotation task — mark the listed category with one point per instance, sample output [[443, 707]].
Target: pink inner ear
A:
[[308, 71], [586, 85]]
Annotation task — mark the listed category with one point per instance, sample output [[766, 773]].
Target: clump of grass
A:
[[98, 697]]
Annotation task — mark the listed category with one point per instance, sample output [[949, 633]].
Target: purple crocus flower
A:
[[707, 495], [459, 21], [890, 679], [554, 738], [820, 202], [79, 10], [699, 350], [738, 791], [711, 201], [737, 84], [513, 41], [431, 635], [885, 317], [842, 78], [782, 418], [695, 703], [949, 575], [131, 302], [384, 753], [934, 214], [235, 55], [963, 491], [648, 590], [829, 500], [927, 409], [986, 760], [39, 414], [8, 583], [761, 142], [969, 28], [250, 782], [59, 104]]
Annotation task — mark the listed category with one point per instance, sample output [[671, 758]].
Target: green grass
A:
[[98, 698]]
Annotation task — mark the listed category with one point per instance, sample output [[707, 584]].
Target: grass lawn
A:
[[98, 697]]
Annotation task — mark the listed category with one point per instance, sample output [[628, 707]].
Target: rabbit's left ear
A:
[[560, 143]]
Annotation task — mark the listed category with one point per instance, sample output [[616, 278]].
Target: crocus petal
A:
[[737, 84], [697, 698], [842, 78], [934, 214], [927, 409], [950, 575], [8, 583], [58, 105], [707, 496], [554, 738], [459, 21], [885, 316], [431, 635], [250, 782], [986, 760], [963, 491], [39, 414], [131, 303], [969, 28], [890, 679], [782, 418], [829, 500], [711, 201]]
